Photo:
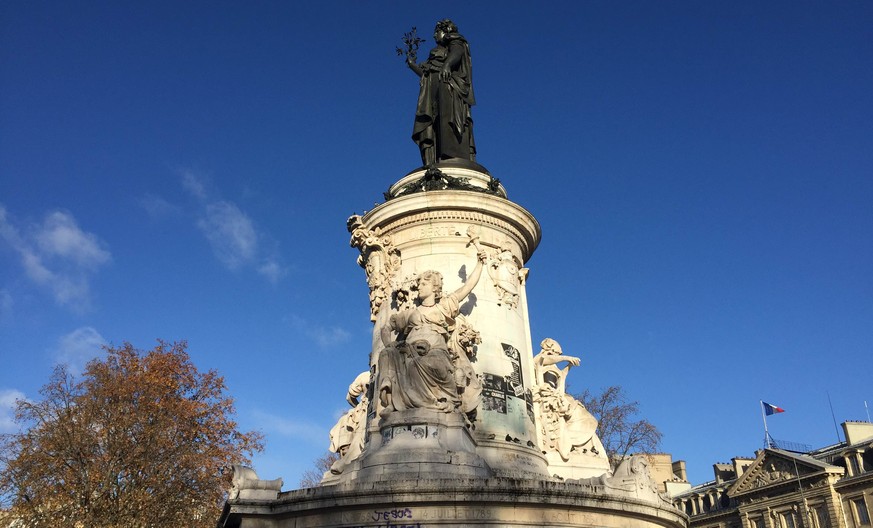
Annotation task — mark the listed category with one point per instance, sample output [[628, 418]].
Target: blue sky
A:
[[702, 171]]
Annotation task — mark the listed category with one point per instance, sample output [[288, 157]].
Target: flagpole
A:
[[766, 433]]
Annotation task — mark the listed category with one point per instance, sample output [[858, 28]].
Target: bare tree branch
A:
[[619, 428], [312, 477]]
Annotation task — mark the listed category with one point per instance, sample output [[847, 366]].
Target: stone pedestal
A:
[[430, 229], [507, 503], [449, 464], [417, 444]]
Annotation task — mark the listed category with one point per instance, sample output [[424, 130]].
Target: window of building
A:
[[820, 515], [861, 511], [853, 463], [867, 457], [787, 520], [758, 522]]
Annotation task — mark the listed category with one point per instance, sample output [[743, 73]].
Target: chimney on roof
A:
[[679, 470], [857, 431]]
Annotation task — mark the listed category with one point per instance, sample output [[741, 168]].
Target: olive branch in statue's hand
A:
[[412, 43]]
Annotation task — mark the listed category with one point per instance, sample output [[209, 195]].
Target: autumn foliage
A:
[[139, 440]]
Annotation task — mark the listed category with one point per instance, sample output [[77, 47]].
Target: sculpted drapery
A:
[[443, 126], [422, 366]]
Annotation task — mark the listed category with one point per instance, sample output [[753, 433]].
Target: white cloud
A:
[[79, 347], [6, 304], [272, 270], [271, 423], [194, 184], [157, 207], [57, 255], [7, 409], [231, 233], [327, 337], [324, 336], [60, 236]]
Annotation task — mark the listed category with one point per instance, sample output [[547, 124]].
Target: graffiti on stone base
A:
[[386, 515]]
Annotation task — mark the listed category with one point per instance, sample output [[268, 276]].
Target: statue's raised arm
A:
[[418, 368]]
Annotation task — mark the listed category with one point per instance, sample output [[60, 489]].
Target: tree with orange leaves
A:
[[141, 439]]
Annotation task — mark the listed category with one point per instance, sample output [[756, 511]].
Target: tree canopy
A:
[[619, 427], [142, 439]]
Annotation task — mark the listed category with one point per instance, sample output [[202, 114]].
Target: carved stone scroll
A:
[[379, 258], [247, 485]]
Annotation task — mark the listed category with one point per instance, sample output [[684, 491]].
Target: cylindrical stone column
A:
[[430, 230]]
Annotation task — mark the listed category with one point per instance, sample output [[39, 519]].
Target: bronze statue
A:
[[443, 126]]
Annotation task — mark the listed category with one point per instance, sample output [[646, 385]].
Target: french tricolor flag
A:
[[771, 409]]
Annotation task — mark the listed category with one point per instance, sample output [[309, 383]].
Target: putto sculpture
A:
[[443, 124]]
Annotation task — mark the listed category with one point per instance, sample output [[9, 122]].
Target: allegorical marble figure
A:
[[566, 423], [420, 369], [347, 436]]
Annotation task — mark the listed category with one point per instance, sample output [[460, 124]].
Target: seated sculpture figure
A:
[[566, 425], [347, 436], [417, 368]]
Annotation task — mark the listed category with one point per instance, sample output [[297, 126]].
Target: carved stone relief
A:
[[506, 273], [379, 258], [632, 478], [425, 362], [770, 470]]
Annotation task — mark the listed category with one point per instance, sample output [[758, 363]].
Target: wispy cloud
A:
[[324, 336], [272, 270], [7, 409], [231, 233], [194, 184], [6, 304], [79, 347], [60, 236], [57, 255], [157, 207], [290, 428]]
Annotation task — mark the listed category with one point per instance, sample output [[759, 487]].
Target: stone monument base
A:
[[420, 503], [580, 465], [415, 444]]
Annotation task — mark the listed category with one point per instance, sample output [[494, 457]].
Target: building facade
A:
[[831, 487]]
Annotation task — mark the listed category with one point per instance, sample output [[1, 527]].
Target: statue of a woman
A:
[[418, 369], [565, 424], [443, 125]]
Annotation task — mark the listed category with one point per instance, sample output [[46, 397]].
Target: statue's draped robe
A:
[[422, 381], [443, 124], [567, 423]]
